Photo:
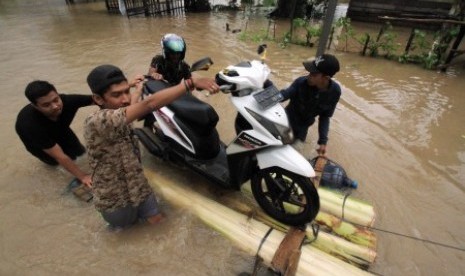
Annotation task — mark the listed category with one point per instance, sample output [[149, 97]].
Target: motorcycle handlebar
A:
[[226, 88]]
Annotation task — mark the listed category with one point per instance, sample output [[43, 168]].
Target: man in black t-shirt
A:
[[44, 127]]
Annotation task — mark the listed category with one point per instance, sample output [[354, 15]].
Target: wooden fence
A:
[[146, 7], [372, 10]]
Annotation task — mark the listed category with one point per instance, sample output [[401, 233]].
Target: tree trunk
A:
[[197, 5], [284, 9]]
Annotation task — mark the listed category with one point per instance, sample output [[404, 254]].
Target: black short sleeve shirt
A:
[[173, 74], [37, 132]]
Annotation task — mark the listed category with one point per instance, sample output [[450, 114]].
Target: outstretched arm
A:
[[64, 160], [290, 91], [165, 96], [135, 96]]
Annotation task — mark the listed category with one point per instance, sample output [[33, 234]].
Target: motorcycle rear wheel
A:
[[285, 196]]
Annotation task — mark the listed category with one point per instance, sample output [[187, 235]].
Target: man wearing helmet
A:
[[171, 65], [313, 95]]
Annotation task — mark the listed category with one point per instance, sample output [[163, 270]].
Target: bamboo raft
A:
[[341, 247]]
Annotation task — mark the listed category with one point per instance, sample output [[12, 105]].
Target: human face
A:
[[174, 57], [50, 105], [117, 96], [318, 79]]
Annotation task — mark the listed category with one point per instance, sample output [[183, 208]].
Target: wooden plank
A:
[[423, 20]]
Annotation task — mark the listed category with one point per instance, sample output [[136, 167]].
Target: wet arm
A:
[[323, 129], [164, 97], [324, 121], [288, 92], [66, 162], [136, 94]]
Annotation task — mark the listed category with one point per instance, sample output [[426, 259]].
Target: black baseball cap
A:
[[326, 64], [103, 76]]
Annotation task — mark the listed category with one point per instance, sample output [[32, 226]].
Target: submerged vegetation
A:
[[424, 47]]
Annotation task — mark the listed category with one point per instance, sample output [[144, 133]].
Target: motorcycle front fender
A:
[[285, 157]]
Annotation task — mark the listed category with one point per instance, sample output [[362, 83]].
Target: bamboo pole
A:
[[423, 20], [355, 234], [248, 233], [354, 245], [350, 209]]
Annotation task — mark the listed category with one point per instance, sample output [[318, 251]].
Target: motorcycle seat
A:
[[194, 112]]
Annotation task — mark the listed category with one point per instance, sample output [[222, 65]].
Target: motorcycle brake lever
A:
[[226, 88]]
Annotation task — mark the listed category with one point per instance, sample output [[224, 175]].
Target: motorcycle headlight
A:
[[280, 132]]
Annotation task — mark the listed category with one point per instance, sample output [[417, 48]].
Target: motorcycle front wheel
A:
[[285, 196]]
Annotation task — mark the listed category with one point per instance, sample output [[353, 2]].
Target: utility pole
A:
[[327, 24]]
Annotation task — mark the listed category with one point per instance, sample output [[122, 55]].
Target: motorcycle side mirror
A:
[[262, 52], [261, 49], [202, 64]]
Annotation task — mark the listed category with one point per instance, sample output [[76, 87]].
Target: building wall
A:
[[370, 10]]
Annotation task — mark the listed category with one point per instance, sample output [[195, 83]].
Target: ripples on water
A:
[[412, 105]]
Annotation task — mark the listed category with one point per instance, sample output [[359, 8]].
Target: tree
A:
[[197, 5], [284, 9]]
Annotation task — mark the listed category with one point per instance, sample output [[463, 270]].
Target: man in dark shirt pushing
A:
[[313, 95], [44, 127]]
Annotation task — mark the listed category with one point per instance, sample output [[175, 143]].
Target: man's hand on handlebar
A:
[[156, 76], [208, 84], [136, 80]]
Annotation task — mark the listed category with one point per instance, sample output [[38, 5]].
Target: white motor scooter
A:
[[185, 131]]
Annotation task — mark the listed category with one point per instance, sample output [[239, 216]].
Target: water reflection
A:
[[397, 98]]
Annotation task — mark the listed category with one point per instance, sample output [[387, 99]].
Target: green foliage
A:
[[386, 43], [269, 3], [430, 61], [428, 54], [285, 40], [361, 39], [420, 41], [422, 50], [310, 31], [420, 45], [347, 31], [255, 37]]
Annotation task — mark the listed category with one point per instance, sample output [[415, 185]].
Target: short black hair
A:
[[37, 89]]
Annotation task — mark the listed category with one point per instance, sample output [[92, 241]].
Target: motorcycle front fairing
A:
[[258, 136], [270, 150], [285, 157], [248, 74]]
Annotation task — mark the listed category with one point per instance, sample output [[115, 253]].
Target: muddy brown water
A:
[[399, 130]]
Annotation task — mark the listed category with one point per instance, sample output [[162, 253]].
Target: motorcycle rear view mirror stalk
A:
[[226, 88], [202, 64], [262, 52]]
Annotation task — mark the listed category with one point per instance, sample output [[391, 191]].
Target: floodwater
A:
[[399, 130]]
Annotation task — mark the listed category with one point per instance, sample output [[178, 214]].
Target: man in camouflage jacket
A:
[[121, 192]]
